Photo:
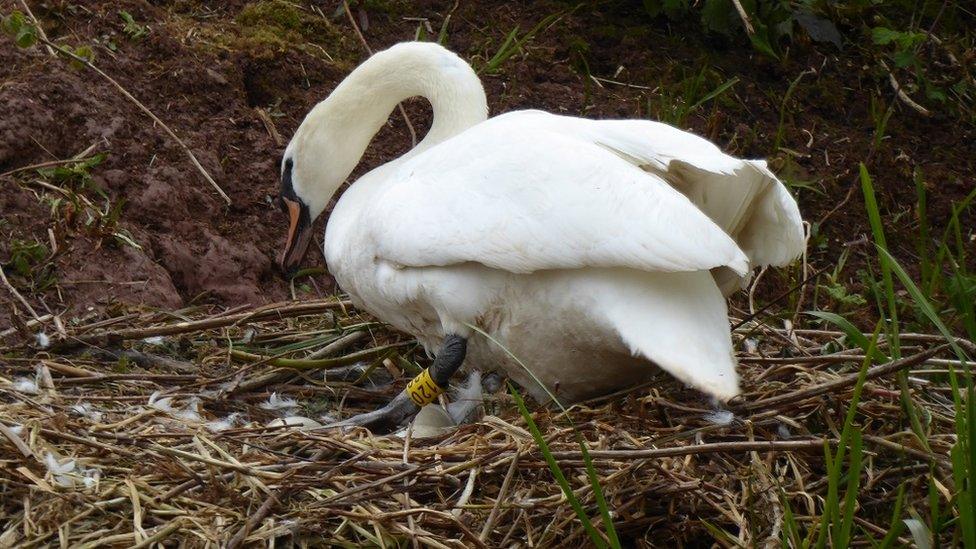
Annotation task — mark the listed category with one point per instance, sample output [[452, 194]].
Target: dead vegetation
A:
[[124, 427], [169, 441]]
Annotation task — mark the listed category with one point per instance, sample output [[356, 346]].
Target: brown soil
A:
[[206, 67]]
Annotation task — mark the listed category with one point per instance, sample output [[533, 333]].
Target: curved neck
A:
[[357, 109]]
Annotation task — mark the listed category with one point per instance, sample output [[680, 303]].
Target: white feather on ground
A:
[[86, 410], [164, 404], [190, 413], [277, 403], [719, 417], [66, 472], [26, 386], [223, 424], [295, 421], [466, 399]]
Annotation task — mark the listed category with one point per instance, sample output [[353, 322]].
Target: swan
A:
[[570, 255]]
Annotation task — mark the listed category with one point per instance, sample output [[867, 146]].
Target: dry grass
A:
[[671, 469]]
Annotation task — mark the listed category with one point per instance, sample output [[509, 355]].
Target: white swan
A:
[[588, 249]]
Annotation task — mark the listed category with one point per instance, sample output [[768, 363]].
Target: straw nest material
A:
[[154, 428]]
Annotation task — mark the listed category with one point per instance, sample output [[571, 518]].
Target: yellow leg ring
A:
[[422, 389]]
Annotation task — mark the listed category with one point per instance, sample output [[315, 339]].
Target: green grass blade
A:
[[922, 244], [791, 530], [715, 93], [782, 108], [831, 500], [442, 35], [944, 242], [924, 305], [895, 528], [877, 230], [935, 510], [590, 471], [962, 453], [851, 331], [963, 298], [557, 472], [506, 50], [601, 501], [831, 520], [720, 534], [842, 539], [513, 43]]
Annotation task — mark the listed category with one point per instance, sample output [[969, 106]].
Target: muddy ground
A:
[[144, 228]]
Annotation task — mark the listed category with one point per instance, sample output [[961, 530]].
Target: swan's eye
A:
[[287, 190]]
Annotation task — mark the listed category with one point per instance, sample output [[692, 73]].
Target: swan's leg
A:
[[420, 391]]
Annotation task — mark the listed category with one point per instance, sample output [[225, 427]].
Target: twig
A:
[[493, 515], [908, 450], [146, 360], [300, 363], [406, 487], [597, 79], [466, 493], [843, 382], [270, 126], [252, 521], [29, 324], [37, 25], [695, 449], [145, 109], [161, 534], [781, 296], [338, 345], [276, 311], [842, 203], [745, 17], [369, 50], [47, 164], [902, 95], [16, 441], [111, 378], [216, 462], [386, 480], [19, 297]]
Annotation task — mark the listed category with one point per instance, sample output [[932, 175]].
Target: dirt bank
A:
[[228, 76]]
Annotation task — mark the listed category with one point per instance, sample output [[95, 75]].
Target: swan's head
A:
[[330, 141], [317, 161], [299, 220]]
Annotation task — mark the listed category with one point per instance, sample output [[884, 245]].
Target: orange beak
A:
[[299, 235]]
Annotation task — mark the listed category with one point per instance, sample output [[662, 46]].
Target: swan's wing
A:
[[691, 340], [525, 199], [742, 197]]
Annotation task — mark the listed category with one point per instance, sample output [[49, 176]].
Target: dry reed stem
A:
[[165, 474]]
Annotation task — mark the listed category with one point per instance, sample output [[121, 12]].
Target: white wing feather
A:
[[522, 199], [742, 197]]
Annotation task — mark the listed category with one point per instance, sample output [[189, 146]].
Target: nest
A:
[[158, 428]]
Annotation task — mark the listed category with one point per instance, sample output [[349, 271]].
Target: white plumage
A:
[[588, 249]]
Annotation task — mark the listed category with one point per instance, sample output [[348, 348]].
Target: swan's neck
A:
[[337, 131]]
